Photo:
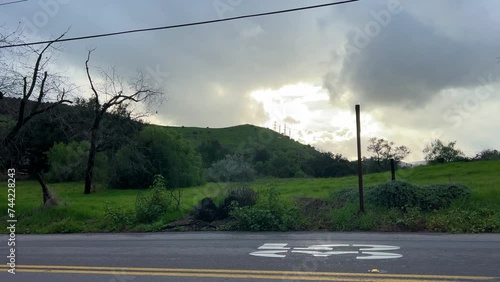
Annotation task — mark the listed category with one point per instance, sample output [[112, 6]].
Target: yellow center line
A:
[[192, 271], [227, 275]]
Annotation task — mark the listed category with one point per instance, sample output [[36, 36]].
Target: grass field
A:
[[85, 213]]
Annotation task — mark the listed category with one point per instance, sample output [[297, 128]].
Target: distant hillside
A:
[[245, 137], [271, 153]]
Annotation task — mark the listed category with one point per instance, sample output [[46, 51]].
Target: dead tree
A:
[[110, 95], [32, 103]]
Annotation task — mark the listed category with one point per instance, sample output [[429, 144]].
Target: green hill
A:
[[270, 153], [244, 138]]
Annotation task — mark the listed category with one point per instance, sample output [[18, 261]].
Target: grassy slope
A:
[[483, 177], [84, 213], [243, 137]]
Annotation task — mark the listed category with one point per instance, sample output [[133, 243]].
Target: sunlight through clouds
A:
[[316, 121]]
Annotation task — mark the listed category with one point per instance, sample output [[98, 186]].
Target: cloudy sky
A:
[[419, 69]]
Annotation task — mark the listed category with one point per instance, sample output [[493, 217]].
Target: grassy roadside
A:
[[86, 213]]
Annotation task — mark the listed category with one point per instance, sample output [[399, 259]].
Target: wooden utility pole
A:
[[360, 168], [393, 170]]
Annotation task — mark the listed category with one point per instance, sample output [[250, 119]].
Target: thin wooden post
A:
[[393, 170], [360, 168]]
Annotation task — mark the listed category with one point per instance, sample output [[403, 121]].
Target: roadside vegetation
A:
[[426, 199]]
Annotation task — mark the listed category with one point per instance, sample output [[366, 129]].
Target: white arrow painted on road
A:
[[377, 247], [279, 250], [379, 255], [269, 254]]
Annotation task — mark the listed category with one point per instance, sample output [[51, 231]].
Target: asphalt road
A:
[[211, 256]]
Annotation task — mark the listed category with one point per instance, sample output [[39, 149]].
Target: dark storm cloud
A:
[[408, 63]]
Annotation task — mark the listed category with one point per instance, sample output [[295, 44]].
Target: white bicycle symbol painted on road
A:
[[280, 250]]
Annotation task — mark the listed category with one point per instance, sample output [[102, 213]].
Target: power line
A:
[[12, 2], [178, 25]]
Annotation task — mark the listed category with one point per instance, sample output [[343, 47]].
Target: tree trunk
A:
[[47, 196], [90, 163]]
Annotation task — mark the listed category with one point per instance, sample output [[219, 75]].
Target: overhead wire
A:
[[12, 2], [179, 25]]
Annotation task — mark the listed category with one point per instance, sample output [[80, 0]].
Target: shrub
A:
[[270, 213], [66, 225], [345, 218], [394, 194], [412, 220], [231, 168], [118, 218], [438, 196], [206, 210], [404, 195], [252, 218], [343, 196], [241, 194], [153, 204], [465, 220]]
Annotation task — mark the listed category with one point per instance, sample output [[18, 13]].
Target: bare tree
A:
[[33, 98], [111, 96]]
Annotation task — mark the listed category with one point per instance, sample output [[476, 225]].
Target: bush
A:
[[465, 220], [253, 218], [231, 168], [206, 210], [118, 218], [394, 194], [271, 213], [67, 162], [404, 195], [153, 204], [438, 196], [241, 194], [343, 196], [66, 225], [345, 218]]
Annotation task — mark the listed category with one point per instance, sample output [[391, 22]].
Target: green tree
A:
[[67, 162], [211, 151], [328, 164], [384, 150], [439, 152], [488, 154], [156, 151], [284, 165]]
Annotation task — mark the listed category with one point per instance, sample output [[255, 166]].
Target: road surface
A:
[[231, 256]]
